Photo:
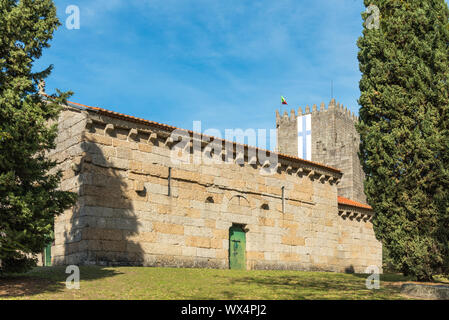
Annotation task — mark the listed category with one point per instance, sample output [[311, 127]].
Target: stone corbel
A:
[[312, 174], [266, 164], [345, 214], [169, 142], [205, 142], [253, 161], [278, 167], [153, 137], [133, 133], [109, 128], [353, 215], [207, 152], [240, 158], [224, 155], [89, 123]]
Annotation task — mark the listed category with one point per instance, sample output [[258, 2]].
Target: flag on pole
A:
[[283, 100]]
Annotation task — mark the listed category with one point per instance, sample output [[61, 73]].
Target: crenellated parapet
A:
[[328, 135], [332, 107]]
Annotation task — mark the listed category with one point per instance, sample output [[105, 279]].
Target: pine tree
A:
[[29, 195], [404, 131]]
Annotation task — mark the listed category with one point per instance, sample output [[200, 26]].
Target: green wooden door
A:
[[47, 249], [237, 248], [47, 255]]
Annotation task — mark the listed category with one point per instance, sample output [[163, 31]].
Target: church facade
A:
[[137, 206]]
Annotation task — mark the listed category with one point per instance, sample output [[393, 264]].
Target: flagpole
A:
[[280, 108]]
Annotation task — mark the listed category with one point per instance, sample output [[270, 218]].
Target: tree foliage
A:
[[404, 131], [29, 195]]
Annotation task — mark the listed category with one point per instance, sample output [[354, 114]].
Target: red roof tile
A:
[[352, 203]]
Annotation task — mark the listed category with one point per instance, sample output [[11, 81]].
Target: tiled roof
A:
[[168, 127], [352, 203]]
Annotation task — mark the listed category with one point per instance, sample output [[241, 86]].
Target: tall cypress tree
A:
[[404, 131], [29, 195]]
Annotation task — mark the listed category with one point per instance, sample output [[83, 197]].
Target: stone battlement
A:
[[332, 107], [333, 140]]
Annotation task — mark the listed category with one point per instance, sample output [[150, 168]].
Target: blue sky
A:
[[225, 63]]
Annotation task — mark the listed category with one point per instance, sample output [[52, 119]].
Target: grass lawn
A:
[[198, 284]]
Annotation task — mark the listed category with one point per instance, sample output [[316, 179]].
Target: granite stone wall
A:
[[138, 207], [69, 154]]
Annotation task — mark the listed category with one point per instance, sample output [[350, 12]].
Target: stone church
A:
[[138, 207]]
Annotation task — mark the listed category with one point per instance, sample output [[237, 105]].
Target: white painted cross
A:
[[305, 137]]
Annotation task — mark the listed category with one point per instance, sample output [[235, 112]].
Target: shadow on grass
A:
[[298, 287], [387, 277], [47, 280]]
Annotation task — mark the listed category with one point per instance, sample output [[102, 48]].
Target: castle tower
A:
[[326, 136]]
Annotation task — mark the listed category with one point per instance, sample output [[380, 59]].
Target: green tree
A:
[[404, 131], [29, 195]]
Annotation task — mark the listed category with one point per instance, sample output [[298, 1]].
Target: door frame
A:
[[244, 231]]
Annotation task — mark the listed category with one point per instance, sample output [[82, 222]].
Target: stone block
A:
[[168, 228], [139, 237], [289, 257], [198, 231], [255, 255], [293, 241], [96, 138], [189, 251], [199, 242], [206, 253], [266, 221]]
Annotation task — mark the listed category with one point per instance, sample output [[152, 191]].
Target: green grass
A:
[[199, 284]]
